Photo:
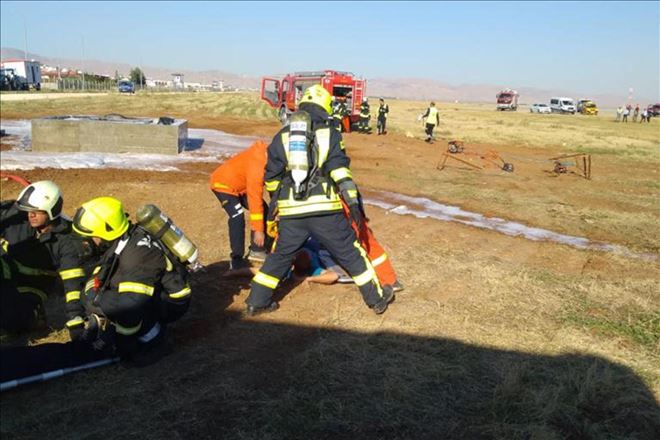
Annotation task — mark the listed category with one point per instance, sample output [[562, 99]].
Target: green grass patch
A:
[[642, 328]]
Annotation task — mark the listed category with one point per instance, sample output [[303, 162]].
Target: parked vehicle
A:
[[539, 108], [284, 93], [562, 105], [126, 86], [507, 99], [653, 110], [28, 73], [10, 81], [587, 107]]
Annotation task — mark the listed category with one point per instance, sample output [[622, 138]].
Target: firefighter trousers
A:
[[429, 131], [235, 206], [382, 122], [333, 232]]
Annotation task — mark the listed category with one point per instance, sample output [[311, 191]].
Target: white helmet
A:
[[41, 196]]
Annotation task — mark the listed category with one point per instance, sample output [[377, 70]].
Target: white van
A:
[[562, 105]]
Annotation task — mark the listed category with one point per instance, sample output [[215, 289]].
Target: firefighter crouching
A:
[[40, 256], [138, 287], [306, 169]]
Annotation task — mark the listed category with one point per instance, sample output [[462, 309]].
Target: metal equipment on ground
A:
[[483, 160], [581, 162]]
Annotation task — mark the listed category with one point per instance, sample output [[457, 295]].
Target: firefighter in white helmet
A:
[[307, 172], [40, 256]]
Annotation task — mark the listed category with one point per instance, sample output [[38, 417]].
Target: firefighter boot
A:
[[254, 311], [388, 297]]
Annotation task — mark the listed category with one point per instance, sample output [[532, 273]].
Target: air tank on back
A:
[[151, 218], [298, 162]]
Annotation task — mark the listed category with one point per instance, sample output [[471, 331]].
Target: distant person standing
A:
[[619, 113], [626, 112], [383, 110], [365, 115], [636, 113], [432, 119]]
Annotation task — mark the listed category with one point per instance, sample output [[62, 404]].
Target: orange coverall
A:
[[375, 251], [244, 174]]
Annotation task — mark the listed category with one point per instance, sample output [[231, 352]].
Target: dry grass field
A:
[[495, 337]]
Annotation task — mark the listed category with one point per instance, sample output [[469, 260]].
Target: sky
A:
[[607, 47]]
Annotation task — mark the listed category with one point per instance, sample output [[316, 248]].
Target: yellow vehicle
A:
[[587, 107]]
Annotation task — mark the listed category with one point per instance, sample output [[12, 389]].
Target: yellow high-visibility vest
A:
[[432, 118]]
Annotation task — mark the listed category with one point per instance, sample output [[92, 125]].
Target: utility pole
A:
[[82, 60], [25, 39]]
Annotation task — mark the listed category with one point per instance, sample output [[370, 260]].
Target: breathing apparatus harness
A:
[[303, 157]]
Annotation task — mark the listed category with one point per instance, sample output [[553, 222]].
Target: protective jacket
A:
[[432, 116], [364, 110], [244, 174], [329, 166], [47, 263], [138, 288], [383, 110]]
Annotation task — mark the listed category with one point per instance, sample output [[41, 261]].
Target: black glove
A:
[[351, 196], [356, 216], [76, 332]]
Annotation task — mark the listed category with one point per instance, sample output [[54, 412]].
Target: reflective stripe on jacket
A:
[[333, 167], [244, 174]]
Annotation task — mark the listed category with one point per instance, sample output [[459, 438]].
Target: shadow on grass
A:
[[230, 377]]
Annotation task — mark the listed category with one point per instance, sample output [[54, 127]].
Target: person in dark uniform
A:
[[137, 288], [383, 110], [40, 256], [365, 115], [307, 172]]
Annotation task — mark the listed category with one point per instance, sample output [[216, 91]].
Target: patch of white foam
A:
[[204, 145], [425, 208]]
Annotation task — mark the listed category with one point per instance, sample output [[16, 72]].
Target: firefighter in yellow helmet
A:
[[307, 172], [136, 289]]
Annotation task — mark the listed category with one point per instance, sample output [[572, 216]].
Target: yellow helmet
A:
[[102, 217], [319, 96]]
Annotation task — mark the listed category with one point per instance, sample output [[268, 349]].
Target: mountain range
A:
[[401, 88]]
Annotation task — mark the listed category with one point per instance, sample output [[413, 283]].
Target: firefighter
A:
[[364, 117], [239, 184], [40, 251], [431, 118], [137, 288], [307, 169], [383, 110], [338, 112]]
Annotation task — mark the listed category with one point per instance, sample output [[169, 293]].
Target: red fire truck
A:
[[283, 93], [507, 99]]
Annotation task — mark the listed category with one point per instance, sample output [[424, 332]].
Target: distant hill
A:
[[402, 88]]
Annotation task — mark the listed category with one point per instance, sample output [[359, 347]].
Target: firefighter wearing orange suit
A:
[[238, 184]]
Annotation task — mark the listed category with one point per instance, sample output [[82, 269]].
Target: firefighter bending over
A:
[[137, 289], [307, 169], [238, 184]]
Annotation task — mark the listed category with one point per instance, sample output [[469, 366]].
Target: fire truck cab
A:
[[507, 99], [284, 93]]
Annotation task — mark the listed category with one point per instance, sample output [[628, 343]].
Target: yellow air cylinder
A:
[[160, 226]]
